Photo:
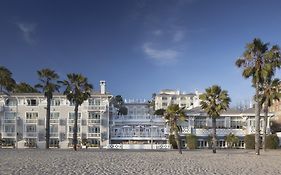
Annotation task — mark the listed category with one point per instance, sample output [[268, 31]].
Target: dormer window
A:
[[32, 102]]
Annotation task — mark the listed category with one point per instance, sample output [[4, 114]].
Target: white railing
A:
[[9, 121], [96, 107], [54, 134], [30, 134], [220, 132], [54, 120], [144, 135], [93, 135], [94, 121], [139, 146], [152, 118], [31, 121], [71, 121], [70, 135], [8, 134], [186, 130]]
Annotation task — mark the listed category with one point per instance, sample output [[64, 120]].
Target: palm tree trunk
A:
[[214, 140], [75, 129], [257, 121], [265, 125], [178, 141], [48, 115]]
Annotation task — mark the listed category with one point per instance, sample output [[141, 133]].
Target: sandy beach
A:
[[35, 161]]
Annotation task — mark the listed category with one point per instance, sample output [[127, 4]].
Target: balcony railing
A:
[[9, 121], [31, 121], [222, 132], [8, 134], [70, 135], [93, 135], [93, 121], [96, 107], [54, 134], [71, 121], [137, 135], [30, 134], [54, 120], [148, 118]]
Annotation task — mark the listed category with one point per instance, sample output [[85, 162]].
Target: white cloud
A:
[[158, 32], [178, 36], [27, 29], [162, 56]]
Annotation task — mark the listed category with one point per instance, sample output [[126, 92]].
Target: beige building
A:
[[166, 97]]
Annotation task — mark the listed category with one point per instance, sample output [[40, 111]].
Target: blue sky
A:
[[137, 46]]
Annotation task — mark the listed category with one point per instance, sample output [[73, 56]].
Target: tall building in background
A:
[[166, 97]]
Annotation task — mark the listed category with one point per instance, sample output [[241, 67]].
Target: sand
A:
[[55, 161]]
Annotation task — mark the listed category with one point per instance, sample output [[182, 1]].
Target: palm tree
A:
[[258, 62], [48, 84], [174, 114], [24, 88], [270, 92], [77, 91], [214, 101], [6, 81]]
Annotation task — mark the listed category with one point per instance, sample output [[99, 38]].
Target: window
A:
[[93, 129], [71, 128], [32, 102], [220, 123], [71, 103], [55, 102], [164, 104], [200, 122], [183, 98], [54, 128], [30, 128], [236, 123], [55, 115], [31, 115], [183, 105], [164, 98], [72, 115], [97, 101], [174, 98], [93, 102], [9, 128], [94, 115], [11, 102], [10, 115]]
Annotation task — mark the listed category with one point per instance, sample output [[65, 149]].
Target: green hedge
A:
[[173, 142], [272, 141], [191, 141], [249, 141]]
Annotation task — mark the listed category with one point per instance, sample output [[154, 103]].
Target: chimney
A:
[[102, 87]]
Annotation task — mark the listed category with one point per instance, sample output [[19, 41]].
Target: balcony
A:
[[9, 121], [31, 121], [96, 108], [220, 132], [70, 135], [30, 135], [54, 120], [138, 118], [54, 134], [8, 134], [94, 121], [137, 136], [93, 135], [71, 121]]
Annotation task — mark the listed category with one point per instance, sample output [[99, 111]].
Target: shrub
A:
[[173, 142], [232, 140], [191, 141], [272, 141], [249, 141]]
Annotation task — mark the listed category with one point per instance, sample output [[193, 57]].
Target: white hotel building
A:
[[22, 122], [166, 97]]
